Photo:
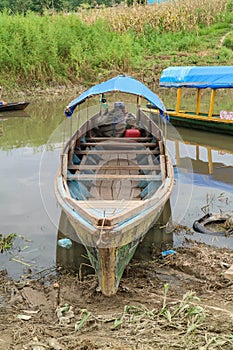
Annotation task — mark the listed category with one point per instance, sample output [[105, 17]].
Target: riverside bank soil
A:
[[183, 301]]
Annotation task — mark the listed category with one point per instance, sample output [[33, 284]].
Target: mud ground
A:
[[182, 301]]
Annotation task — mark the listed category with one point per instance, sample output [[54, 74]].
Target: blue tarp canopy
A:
[[121, 83], [214, 77]]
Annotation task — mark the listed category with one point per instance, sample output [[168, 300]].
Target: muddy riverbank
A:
[[183, 301]]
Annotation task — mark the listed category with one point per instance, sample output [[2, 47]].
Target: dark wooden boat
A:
[[13, 106], [115, 175], [213, 79]]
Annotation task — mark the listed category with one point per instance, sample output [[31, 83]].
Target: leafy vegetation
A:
[[6, 242], [185, 320], [87, 46]]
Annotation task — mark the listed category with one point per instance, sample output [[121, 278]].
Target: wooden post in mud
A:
[[107, 267]]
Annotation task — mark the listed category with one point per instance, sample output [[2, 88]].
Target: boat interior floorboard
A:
[[113, 170]]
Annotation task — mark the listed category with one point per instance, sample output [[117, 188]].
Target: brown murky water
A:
[[30, 144]]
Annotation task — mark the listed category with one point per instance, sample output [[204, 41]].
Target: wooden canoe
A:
[[113, 185], [13, 106]]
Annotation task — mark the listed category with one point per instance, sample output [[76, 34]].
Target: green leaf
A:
[[78, 325], [117, 323]]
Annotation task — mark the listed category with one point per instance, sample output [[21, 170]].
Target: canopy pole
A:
[[178, 98], [138, 108], [198, 101], [213, 91]]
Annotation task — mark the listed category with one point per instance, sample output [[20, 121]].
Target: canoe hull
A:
[[111, 250], [115, 176]]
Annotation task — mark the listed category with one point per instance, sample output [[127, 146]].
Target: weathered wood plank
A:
[[106, 151], [120, 144], [139, 139], [114, 167], [110, 177]]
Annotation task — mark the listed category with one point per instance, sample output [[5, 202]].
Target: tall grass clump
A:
[[84, 46], [59, 48]]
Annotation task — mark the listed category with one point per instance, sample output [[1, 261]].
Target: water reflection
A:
[[14, 114], [208, 187], [211, 158], [32, 127], [22, 211], [75, 259], [9, 115]]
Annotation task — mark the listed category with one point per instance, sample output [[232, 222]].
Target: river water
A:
[[30, 144]]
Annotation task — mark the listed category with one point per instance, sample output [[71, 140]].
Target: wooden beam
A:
[[113, 167], [117, 151], [120, 144], [139, 139], [110, 177]]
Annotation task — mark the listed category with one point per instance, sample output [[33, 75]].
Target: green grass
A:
[[61, 49]]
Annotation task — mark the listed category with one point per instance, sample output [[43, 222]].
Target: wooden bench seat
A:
[[113, 167], [110, 177], [120, 144], [138, 139], [117, 151]]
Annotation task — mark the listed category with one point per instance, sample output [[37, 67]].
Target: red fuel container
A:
[[132, 133]]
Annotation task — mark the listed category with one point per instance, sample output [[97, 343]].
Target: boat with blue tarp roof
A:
[[215, 79], [115, 175]]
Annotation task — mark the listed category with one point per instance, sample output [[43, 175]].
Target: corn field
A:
[[170, 16]]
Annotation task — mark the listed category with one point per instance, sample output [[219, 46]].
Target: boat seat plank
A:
[[114, 167], [109, 204], [120, 144], [105, 208], [116, 210], [104, 151], [139, 139], [110, 177]]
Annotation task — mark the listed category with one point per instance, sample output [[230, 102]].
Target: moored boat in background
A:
[[13, 106], [214, 78]]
